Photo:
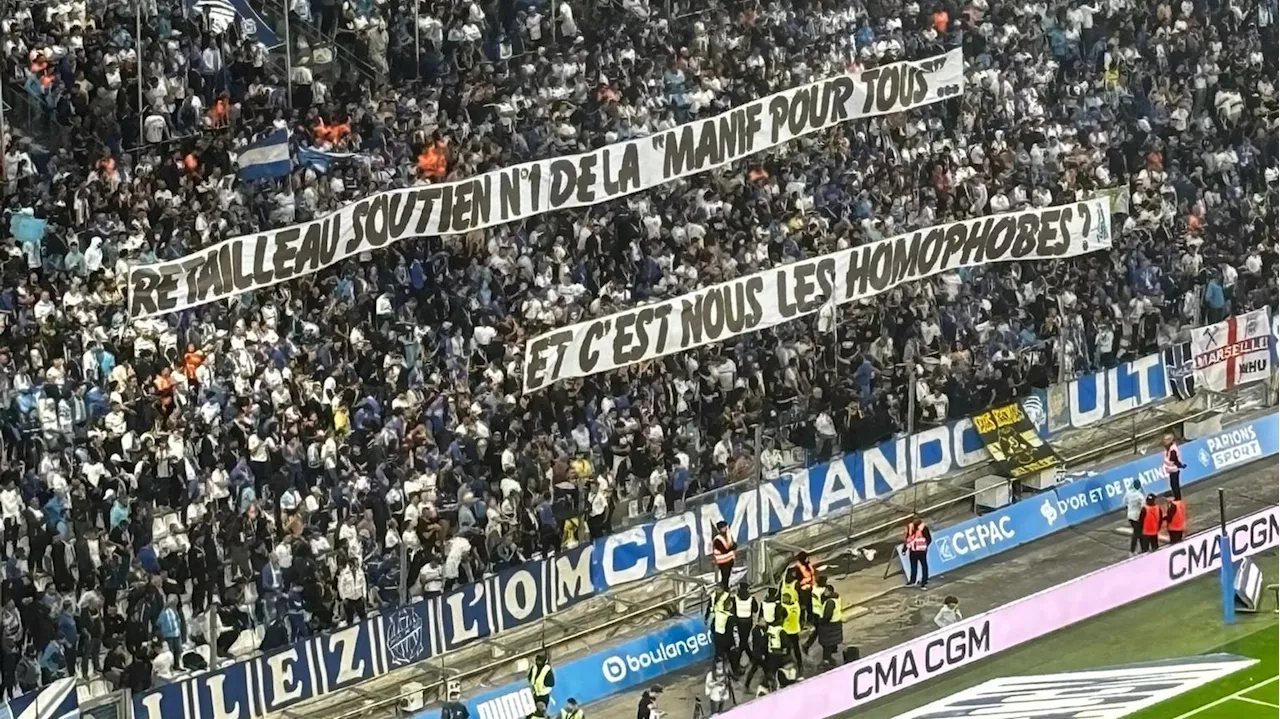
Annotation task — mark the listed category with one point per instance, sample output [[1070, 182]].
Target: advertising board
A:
[[636, 663], [970, 640], [540, 588], [1091, 497], [1099, 396]]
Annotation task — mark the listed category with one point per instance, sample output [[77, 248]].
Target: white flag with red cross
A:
[[1234, 352]]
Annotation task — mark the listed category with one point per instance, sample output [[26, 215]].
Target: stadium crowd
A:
[[282, 460]]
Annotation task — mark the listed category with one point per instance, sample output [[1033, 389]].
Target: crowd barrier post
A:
[[417, 40], [1227, 574], [137, 41], [288, 58], [211, 632]]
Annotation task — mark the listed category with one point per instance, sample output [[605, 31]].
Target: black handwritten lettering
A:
[[588, 356], [145, 283], [541, 370], [358, 213]]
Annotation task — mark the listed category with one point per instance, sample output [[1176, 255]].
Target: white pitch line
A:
[[1251, 700], [1226, 699]]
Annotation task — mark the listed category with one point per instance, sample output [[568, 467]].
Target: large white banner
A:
[[1233, 352], [771, 297], [252, 261]]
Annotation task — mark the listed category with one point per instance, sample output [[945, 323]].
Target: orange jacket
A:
[[332, 134], [1151, 519], [191, 363], [1177, 516]]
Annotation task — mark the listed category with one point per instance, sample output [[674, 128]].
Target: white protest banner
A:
[[771, 297], [253, 261], [1234, 352]]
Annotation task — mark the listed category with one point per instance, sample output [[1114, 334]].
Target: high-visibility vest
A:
[[722, 549], [915, 538], [1178, 522], [538, 678], [742, 607], [1170, 466], [572, 714], [788, 592], [818, 591], [837, 611], [791, 621], [720, 615], [1150, 520], [775, 639], [806, 575], [719, 621], [768, 611]]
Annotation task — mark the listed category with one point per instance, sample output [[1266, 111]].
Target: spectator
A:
[[304, 425], [948, 613], [171, 629]]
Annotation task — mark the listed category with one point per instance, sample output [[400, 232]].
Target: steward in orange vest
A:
[[916, 544], [806, 580], [1152, 518], [1177, 520], [724, 552]]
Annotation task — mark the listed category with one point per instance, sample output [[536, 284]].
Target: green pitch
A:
[[1181, 622], [1253, 693]]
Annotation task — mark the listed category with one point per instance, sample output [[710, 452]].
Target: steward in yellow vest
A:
[[542, 678]]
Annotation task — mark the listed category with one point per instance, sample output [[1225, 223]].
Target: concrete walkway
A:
[[896, 614]]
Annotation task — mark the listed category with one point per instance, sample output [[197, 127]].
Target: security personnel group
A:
[[753, 636]]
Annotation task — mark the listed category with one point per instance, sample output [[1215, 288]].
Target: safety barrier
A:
[[682, 643], [636, 663], [802, 499], [1092, 497]]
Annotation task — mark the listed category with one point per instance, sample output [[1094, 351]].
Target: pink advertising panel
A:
[[985, 635]]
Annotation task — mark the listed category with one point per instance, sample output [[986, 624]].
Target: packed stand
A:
[[298, 453]]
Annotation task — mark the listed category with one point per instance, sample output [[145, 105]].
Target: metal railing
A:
[[439, 686], [766, 564], [344, 57], [1131, 442]]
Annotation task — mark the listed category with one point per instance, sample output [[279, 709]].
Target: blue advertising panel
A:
[[794, 499], [58, 700], [397, 638], [1100, 396], [540, 588], [636, 663], [1092, 497]]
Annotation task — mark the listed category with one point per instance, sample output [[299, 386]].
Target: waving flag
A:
[[319, 160], [266, 158]]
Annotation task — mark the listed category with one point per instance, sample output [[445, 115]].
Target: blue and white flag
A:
[[266, 158], [319, 160]]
